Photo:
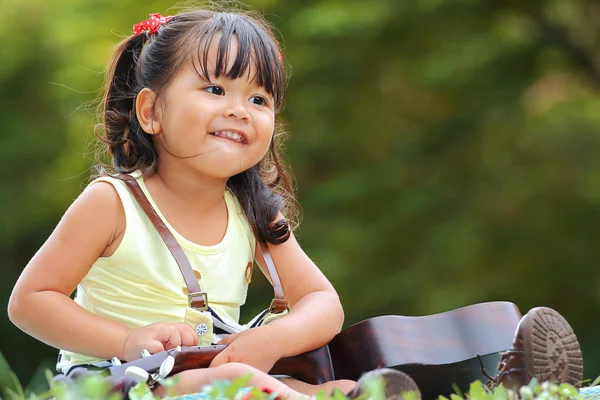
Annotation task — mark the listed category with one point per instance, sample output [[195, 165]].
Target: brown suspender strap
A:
[[196, 297], [279, 304]]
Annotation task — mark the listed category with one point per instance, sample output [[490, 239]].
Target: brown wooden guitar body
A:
[[437, 351], [433, 340]]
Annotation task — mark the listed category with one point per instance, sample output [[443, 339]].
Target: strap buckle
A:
[[193, 303], [278, 306]]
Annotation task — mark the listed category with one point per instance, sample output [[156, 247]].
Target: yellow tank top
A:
[[141, 283]]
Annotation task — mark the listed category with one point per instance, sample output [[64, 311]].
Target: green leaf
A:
[[234, 386], [477, 390], [457, 389], [115, 396], [49, 377], [410, 396], [46, 395], [141, 391], [94, 386], [568, 390], [337, 394], [321, 395], [255, 393], [374, 388], [39, 383], [13, 395], [534, 385], [500, 393], [363, 396], [169, 385], [58, 389], [9, 380], [221, 386]]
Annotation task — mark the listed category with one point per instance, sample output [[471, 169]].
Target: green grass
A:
[[95, 387]]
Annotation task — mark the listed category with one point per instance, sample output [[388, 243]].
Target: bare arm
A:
[[316, 314], [40, 303]]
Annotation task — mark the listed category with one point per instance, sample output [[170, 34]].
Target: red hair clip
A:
[[151, 25]]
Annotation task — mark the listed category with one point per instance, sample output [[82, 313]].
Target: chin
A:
[[219, 170], [226, 162], [232, 166]]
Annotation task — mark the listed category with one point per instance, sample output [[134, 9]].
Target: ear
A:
[[145, 107]]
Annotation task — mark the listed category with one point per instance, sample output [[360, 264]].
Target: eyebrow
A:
[[212, 77]]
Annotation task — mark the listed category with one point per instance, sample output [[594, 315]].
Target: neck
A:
[[189, 187]]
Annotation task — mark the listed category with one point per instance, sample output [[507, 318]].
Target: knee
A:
[[346, 386], [234, 370]]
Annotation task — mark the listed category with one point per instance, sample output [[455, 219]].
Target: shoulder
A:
[[100, 205], [102, 193]]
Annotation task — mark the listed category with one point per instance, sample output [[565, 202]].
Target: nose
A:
[[237, 110]]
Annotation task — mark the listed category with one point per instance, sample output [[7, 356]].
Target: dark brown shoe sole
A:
[[396, 383], [550, 347]]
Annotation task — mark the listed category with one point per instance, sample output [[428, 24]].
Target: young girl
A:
[[189, 112]]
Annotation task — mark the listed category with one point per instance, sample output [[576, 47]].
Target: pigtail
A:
[[263, 191], [129, 146], [260, 205]]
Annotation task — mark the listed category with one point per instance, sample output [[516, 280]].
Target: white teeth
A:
[[229, 134]]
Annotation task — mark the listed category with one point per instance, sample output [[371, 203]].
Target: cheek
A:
[[266, 138], [267, 126], [186, 125]]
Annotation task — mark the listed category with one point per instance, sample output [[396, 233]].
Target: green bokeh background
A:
[[445, 151]]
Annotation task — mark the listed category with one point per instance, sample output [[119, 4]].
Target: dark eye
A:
[[259, 100], [218, 90]]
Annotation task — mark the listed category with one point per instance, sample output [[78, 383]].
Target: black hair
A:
[[152, 60]]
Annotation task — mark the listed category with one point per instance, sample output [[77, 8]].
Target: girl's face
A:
[[221, 127]]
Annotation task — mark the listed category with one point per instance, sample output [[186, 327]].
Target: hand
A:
[[157, 337], [256, 347]]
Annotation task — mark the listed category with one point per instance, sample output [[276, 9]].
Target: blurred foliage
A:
[[95, 386], [445, 151], [535, 390]]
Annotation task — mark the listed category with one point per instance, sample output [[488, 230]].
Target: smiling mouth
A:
[[233, 136]]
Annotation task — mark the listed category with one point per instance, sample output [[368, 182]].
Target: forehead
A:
[[215, 59], [247, 54]]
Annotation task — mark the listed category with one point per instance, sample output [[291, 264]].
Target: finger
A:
[[174, 337], [189, 337], [170, 336], [220, 359], [228, 339], [154, 347]]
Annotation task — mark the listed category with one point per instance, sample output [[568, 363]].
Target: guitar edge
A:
[[432, 349]]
